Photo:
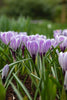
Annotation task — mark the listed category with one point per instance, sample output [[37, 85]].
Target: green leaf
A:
[[16, 91], [23, 87]]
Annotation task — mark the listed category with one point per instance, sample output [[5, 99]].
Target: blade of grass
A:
[[23, 87], [16, 91]]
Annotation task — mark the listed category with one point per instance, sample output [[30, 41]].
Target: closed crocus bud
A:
[[46, 45], [5, 73], [14, 43], [28, 45], [9, 35], [24, 39], [34, 49], [64, 32], [40, 42], [63, 60], [53, 43], [3, 37]]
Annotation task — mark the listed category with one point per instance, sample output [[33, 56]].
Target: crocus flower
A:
[[63, 63], [60, 39], [33, 49], [53, 43], [41, 42], [63, 60], [46, 46], [57, 32], [64, 32], [14, 43], [5, 73], [24, 40], [6, 36]]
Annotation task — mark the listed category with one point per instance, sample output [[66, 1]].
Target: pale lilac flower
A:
[[46, 45], [64, 32], [53, 43], [57, 32], [32, 37], [6, 36], [60, 39], [5, 73], [63, 63], [24, 39], [15, 43], [41, 42], [33, 49], [63, 60]]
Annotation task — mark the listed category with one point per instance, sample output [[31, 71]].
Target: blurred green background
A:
[[55, 10]]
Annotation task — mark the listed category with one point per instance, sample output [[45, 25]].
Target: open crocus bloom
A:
[[5, 73]]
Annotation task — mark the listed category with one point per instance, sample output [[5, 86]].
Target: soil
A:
[[10, 94]]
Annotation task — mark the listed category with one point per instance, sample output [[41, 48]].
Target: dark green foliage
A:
[[35, 9]]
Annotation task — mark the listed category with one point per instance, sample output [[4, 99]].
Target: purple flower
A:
[[46, 45], [57, 32], [64, 32], [32, 37], [33, 49], [5, 73], [24, 40], [15, 43], [53, 43], [63, 60], [61, 39], [63, 63], [41, 42], [6, 37]]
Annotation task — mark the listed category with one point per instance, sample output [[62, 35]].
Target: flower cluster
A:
[[61, 37], [34, 43]]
